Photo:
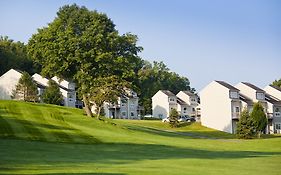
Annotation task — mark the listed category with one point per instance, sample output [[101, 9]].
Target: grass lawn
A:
[[47, 139]]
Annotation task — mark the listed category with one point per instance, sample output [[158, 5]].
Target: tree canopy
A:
[[52, 94], [259, 118], [84, 45], [26, 89], [14, 55], [277, 83], [157, 76]]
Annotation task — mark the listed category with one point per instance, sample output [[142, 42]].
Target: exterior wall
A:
[[216, 107], [190, 103], [8, 82], [272, 91], [162, 104], [247, 91], [183, 109], [64, 83]]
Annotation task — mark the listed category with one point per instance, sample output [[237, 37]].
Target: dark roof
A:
[[245, 99], [276, 87], [169, 93], [272, 99], [227, 85], [180, 101], [253, 86], [189, 93]]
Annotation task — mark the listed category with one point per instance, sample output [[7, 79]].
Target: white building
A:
[[125, 108], [9, 80], [164, 101], [192, 102], [220, 106], [273, 96]]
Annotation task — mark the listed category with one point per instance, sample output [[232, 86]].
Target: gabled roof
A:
[[245, 99], [253, 86], [230, 87], [276, 87], [272, 99], [168, 93], [188, 93], [180, 101]]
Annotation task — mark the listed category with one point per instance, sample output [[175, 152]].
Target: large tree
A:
[[259, 118], [157, 76], [14, 55], [26, 89], [52, 94], [84, 45]]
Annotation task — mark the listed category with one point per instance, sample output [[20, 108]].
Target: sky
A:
[[203, 40]]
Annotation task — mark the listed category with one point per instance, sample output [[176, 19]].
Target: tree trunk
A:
[[87, 107]]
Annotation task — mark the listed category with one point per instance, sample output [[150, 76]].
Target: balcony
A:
[[270, 115]]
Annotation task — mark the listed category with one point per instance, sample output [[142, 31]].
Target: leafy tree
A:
[[52, 94], [107, 89], [174, 116], [245, 127], [277, 83], [84, 46], [259, 118], [156, 76], [14, 55], [26, 89]]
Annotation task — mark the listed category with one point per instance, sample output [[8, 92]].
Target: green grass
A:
[[47, 139]]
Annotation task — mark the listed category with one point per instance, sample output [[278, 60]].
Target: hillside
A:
[[48, 139]]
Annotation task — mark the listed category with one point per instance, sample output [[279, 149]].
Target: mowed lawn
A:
[[47, 139]]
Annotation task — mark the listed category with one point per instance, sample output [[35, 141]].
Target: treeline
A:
[[84, 46]]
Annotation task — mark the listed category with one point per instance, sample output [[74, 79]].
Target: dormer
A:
[[251, 91]]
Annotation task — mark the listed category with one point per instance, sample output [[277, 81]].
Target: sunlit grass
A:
[[48, 139]]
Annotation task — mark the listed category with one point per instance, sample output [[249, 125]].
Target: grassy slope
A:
[[70, 143]]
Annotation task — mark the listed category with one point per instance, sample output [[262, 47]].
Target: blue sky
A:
[[204, 40]]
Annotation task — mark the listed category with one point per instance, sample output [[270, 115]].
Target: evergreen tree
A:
[[174, 116], [259, 118], [52, 94], [245, 127], [26, 89]]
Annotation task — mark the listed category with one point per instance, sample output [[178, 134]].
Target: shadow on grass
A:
[[81, 173], [184, 134]]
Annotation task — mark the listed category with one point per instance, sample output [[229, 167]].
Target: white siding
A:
[[8, 82], [216, 107]]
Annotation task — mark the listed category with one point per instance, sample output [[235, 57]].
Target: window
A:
[[192, 99], [278, 126], [132, 114], [237, 109], [123, 104], [171, 99], [233, 94], [193, 109], [277, 112], [132, 105], [260, 95], [184, 109], [160, 115], [124, 114]]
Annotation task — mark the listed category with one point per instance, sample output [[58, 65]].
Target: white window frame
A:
[[260, 96], [277, 128], [233, 94]]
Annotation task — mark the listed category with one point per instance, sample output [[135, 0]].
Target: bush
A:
[[174, 116], [245, 127]]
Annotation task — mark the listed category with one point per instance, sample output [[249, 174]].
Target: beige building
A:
[[220, 106]]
